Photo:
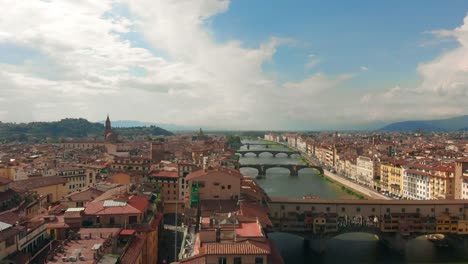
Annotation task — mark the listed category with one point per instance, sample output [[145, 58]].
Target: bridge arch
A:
[[267, 167]]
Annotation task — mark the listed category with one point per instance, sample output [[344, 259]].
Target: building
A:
[[365, 170], [109, 135], [77, 178], [215, 184], [53, 188], [117, 212], [461, 179]]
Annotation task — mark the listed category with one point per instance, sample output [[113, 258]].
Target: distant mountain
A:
[[134, 123], [67, 128], [449, 124]]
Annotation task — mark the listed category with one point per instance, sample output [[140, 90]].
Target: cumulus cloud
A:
[[82, 63]]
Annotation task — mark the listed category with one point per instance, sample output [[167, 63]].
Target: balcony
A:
[[30, 236]]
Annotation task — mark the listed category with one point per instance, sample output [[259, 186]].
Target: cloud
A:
[[87, 63], [312, 61], [363, 68]]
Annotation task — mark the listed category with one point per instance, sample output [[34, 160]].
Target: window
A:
[[216, 196], [343, 209], [298, 208], [222, 187], [446, 210], [222, 260], [328, 209], [418, 210], [358, 209], [402, 210], [237, 260], [229, 187], [258, 260]]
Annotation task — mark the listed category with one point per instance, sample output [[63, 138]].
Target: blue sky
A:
[[234, 64], [385, 36]]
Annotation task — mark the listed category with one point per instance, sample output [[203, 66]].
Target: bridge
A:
[[267, 145], [293, 168], [273, 152], [394, 221]]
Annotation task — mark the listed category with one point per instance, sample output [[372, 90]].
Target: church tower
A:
[[109, 136], [108, 128]]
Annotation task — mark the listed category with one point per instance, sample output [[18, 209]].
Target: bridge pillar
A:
[[394, 241], [316, 245], [258, 154], [261, 171], [293, 171], [267, 146], [248, 146]]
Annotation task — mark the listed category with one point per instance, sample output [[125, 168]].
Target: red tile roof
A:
[[243, 248], [225, 171], [127, 232], [135, 205], [33, 183], [167, 174], [139, 202], [255, 210], [134, 250]]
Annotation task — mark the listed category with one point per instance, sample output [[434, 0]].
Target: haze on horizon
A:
[[234, 64]]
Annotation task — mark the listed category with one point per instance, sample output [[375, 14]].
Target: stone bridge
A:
[[266, 145], [293, 168], [273, 152], [393, 221]]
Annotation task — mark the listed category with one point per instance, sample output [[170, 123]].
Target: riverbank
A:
[[348, 186]]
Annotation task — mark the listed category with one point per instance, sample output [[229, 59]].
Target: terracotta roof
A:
[[244, 248], [139, 202], [168, 174], [134, 250], [87, 194], [255, 210], [225, 171], [127, 232], [33, 183], [135, 205]]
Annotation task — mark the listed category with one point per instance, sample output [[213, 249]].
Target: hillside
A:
[[449, 124], [133, 123], [66, 128]]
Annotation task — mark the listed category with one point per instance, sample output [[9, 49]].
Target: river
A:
[[347, 248]]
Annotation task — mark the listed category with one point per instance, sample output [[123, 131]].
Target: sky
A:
[[240, 64]]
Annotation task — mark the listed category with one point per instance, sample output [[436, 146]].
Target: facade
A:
[[365, 170], [77, 178], [216, 184], [461, 179], [53, 188]]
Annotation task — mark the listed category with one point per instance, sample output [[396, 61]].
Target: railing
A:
[[31, 234]]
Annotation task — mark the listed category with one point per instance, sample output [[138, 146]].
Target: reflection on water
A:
[[347, 248]]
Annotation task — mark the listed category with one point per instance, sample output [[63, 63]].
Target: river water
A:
[[347, 248]]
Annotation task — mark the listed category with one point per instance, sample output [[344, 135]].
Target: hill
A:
[[134, 123], [449, 124], [66, 128]]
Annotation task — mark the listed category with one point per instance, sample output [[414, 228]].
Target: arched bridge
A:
[[273, 152], [293, 168], [393, 221], [267, 145]]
